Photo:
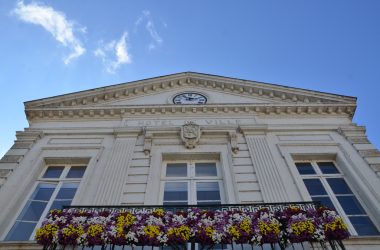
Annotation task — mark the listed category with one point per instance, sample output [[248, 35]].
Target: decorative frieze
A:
[[120, 111]]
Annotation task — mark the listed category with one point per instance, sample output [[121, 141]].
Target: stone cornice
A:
[[116, 112], [271, 92]]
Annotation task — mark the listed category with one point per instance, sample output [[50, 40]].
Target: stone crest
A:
[[190, 134]]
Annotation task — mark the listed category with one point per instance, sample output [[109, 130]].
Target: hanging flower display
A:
[[157, 227], [303, 225], [333, 225]]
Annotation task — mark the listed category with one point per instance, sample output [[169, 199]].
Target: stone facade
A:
[[126, 133]]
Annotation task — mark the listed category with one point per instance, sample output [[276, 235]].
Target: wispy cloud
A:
[[117, 50], [150, 27], [54, 22]]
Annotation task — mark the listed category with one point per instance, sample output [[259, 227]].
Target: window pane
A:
[[363, 225], [76, 172], [305, 168], [339, 186], [175, 191], [325, 201], [20, 231], [205, 169], [43, 192], [59, 204], [328, 168], [176, 170], [314, 186], [53, 172], [208, 191], [350, 205], [67, 191], [32, 211]]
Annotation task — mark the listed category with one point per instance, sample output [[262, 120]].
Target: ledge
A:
[[19, 245], [362, 240]]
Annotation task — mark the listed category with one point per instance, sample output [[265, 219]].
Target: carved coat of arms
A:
[[190, 134]]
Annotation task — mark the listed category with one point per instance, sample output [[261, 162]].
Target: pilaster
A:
[[116, 168]]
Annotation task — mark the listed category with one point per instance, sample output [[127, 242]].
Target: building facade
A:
[[190, 138]]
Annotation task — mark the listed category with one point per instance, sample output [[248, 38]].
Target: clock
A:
[[189, 98]]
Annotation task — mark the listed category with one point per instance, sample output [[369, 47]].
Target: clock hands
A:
[[190, 98]]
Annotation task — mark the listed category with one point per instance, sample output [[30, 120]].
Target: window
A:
[[326, 184], [55, 188], [191, 183]]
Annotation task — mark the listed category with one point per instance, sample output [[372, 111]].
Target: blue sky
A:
[[54, 47]]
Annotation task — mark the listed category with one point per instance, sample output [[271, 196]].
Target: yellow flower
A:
[[268, 228], [152, 231], [48, 230], [159, 212], [302, 226], [245, 225], [336, 224], [182, 231], [94, 230], [209, 231], [234, 232], [124, 220]]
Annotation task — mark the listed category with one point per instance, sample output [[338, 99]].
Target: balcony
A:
[[234, 226]]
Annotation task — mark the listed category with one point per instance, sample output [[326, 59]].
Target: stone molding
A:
[[127, 132], [118, 112], [25, 140], [356, 136], [4, 174], [189, 79]]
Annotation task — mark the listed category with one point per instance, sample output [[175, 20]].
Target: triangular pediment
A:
[[167, 97], [160, 91]]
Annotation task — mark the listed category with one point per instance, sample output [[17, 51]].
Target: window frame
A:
[[330, 193], [191, 179], [58, 182]]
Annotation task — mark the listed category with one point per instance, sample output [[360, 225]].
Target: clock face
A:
[[189, 98]]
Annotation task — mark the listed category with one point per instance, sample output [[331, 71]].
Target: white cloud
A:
[[118, 50], [54, 22], [153, 33], [150, 27]]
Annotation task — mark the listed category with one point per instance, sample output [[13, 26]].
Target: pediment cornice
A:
[[117, 112], [271, 92]]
